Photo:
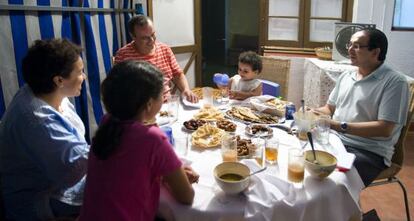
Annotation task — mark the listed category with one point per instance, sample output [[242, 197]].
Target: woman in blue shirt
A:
[[43, 152]]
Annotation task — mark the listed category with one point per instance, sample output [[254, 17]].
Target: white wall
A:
[[400, 44], [174, 24]]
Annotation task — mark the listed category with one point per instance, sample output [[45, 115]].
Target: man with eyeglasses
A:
[[369, 105], [145, 47]]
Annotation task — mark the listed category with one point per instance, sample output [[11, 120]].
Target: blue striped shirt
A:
[[43, 155]]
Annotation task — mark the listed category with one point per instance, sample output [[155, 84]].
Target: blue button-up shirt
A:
[[43, 155]]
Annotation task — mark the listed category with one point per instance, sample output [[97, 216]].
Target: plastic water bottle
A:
[[290, 110], [217, 78], [224, 81], [168, 131]]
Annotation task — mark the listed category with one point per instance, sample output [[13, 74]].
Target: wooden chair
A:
[[276, 70], [389, 175]]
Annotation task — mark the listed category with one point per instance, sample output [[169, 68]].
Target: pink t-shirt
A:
[[126, 186]]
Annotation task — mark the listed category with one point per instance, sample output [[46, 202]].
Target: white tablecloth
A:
[[319, 80], [269, 196]]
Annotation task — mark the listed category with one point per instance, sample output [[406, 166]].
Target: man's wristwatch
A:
[[343, 126]]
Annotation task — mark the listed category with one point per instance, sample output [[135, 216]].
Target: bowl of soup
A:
[[324, 165], [232, 177]]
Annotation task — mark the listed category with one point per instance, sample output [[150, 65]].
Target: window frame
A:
[[399, 28], [303, 43]]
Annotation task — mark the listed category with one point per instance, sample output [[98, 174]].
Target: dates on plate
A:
[[226, 125], [194, 124]]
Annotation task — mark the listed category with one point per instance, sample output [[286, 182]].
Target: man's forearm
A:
[[328, 110], [366, 129], [181, 82]]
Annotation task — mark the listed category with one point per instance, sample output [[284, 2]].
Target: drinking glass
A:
[[181, 142], [208, 97], [258, 153], [322, 129], [271, 150], [296, 167], [173, 102], [224, 95], [229, 148], [304, 122]]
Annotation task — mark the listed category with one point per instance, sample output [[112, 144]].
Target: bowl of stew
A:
[[232, 177]]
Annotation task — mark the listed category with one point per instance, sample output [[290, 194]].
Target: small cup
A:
[[208, 97], [173, 104], [229, 148], [271, 150], [322, 129], [296, 167], [258, 153]]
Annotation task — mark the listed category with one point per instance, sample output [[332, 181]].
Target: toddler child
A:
[[244, 84]]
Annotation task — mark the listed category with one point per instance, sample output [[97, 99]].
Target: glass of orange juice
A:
[[271, 150], [229, 148], [296, 168], [208, 100]]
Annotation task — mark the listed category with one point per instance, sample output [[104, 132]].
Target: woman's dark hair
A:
[[377, 39], [125, 93], [252, 59], [47, 59], [139, 20]]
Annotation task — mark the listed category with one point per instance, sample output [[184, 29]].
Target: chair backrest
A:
[[398, 155], [276, 70]]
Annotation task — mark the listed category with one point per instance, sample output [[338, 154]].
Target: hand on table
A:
[[191, 174], [236, 95], [190, 96]]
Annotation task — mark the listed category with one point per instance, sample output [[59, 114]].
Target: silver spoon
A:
[[257, 171], [313, 149]]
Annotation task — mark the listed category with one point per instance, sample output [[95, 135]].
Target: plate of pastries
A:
[[209, 114], [207, 136], [247, 115]]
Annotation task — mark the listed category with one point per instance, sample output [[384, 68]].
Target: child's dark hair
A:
[[125, 93], [252, 59]]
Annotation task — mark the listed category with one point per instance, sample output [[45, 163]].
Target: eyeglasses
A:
[[356, 46], [149, 38]]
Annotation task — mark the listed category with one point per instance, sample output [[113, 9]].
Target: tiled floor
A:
[[388, 199]]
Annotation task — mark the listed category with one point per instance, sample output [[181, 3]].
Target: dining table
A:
[[270, 195]]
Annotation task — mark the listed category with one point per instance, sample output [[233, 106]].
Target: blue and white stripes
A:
[[99, 33]]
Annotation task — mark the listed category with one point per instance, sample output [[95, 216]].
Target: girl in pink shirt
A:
[[129, 160]]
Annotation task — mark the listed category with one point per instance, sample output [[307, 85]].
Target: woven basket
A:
[[323, 54]]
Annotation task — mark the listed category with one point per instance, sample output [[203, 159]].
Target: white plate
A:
[[193, 105], [183, 128], [163, 120]]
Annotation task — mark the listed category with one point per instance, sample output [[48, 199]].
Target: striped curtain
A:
[[100, 34]]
